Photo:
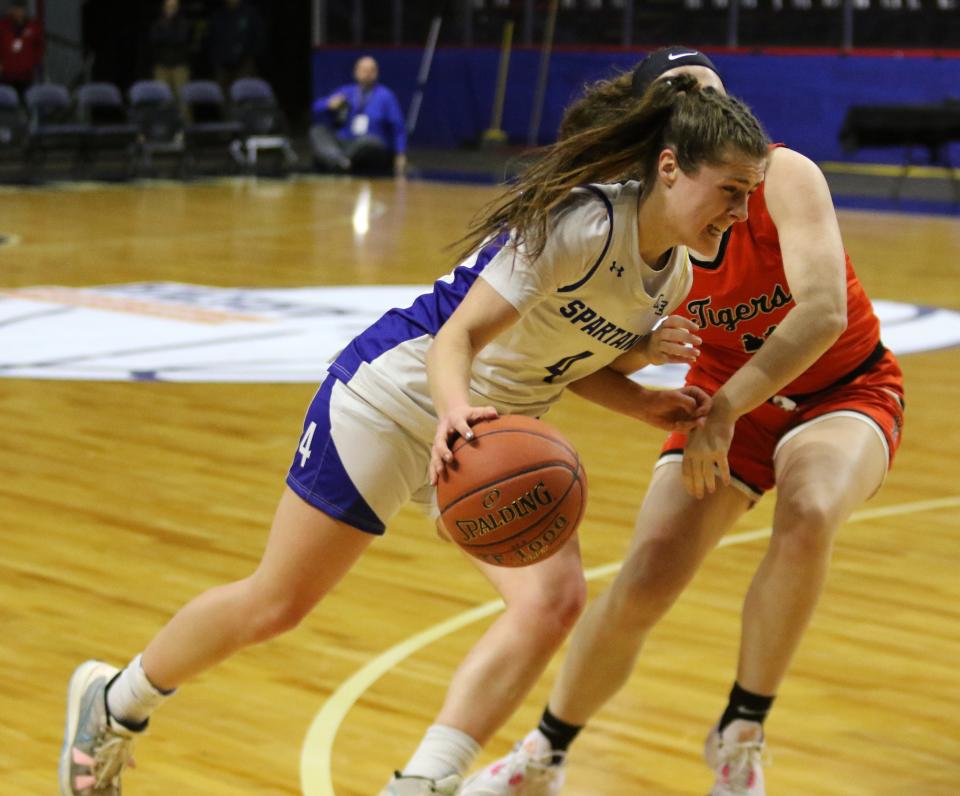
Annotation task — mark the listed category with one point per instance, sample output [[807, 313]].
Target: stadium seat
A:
[[13, 133], [209, 129], [264, 124], [13, 123], [51, 125], [100, 107], [154, 110]]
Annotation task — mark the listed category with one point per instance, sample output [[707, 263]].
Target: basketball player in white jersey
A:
[[572, 290]]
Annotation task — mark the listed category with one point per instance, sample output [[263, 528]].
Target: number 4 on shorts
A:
[[305, 442]]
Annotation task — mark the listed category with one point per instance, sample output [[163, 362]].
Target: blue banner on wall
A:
[[801, 99]]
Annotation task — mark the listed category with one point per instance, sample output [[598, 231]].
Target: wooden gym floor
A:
[[120, 501]]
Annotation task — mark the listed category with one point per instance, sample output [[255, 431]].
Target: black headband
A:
[[663, 60]]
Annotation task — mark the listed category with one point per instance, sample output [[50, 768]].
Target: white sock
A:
[[131, 698], [442, 752]]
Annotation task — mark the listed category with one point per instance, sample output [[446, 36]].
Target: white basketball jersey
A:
[[587, 299]]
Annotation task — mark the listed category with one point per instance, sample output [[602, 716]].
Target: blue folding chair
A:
[[154, 110], [264, 123], [51, 126], [101, 107], [209, 129], [13, 122]]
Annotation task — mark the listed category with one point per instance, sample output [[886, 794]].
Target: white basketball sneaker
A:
[[735, 757], [96, 748], [526, 771], [421, 786]]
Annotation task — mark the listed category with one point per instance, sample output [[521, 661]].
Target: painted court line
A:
[[315, 756]]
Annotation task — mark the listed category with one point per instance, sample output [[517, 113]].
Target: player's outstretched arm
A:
[[671, 410], [481, 316]]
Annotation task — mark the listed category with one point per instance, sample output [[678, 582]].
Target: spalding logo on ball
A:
[[515, 493]]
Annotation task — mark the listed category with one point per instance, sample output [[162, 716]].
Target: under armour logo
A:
[[617, 269]]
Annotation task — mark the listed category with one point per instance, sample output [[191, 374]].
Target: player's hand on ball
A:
[[675, 340], [456, 422], [676, 410], [515, 493]]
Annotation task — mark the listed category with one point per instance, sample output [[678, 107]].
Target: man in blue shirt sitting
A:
[[359, 126]]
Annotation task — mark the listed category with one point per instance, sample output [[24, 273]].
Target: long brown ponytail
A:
[[701, 126], [601, 103]]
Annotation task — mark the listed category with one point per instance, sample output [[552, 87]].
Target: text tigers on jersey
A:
[[728, 317]]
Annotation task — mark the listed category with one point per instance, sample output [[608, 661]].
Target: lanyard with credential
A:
[[361, 122]]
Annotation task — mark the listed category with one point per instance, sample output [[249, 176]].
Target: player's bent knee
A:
[[657, 570], [806, 524], [570, 605], [273, 614], [555, 611], [640, 597], [279, 618]]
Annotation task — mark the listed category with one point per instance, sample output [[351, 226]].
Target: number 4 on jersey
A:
[[561, 366], [305, 442]]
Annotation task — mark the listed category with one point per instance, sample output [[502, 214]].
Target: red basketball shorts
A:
[[875, 397]]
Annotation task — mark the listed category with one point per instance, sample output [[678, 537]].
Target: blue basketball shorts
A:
[[356, 464]]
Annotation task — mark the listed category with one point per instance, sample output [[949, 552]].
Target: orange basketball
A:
[[514, 494]]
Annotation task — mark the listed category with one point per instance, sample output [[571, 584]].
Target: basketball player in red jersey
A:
[[805, 398]]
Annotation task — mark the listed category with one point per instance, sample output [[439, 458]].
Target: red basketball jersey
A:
[[739, 299]]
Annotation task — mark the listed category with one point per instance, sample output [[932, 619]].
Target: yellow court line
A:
[[316, 755], [884, 170]]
